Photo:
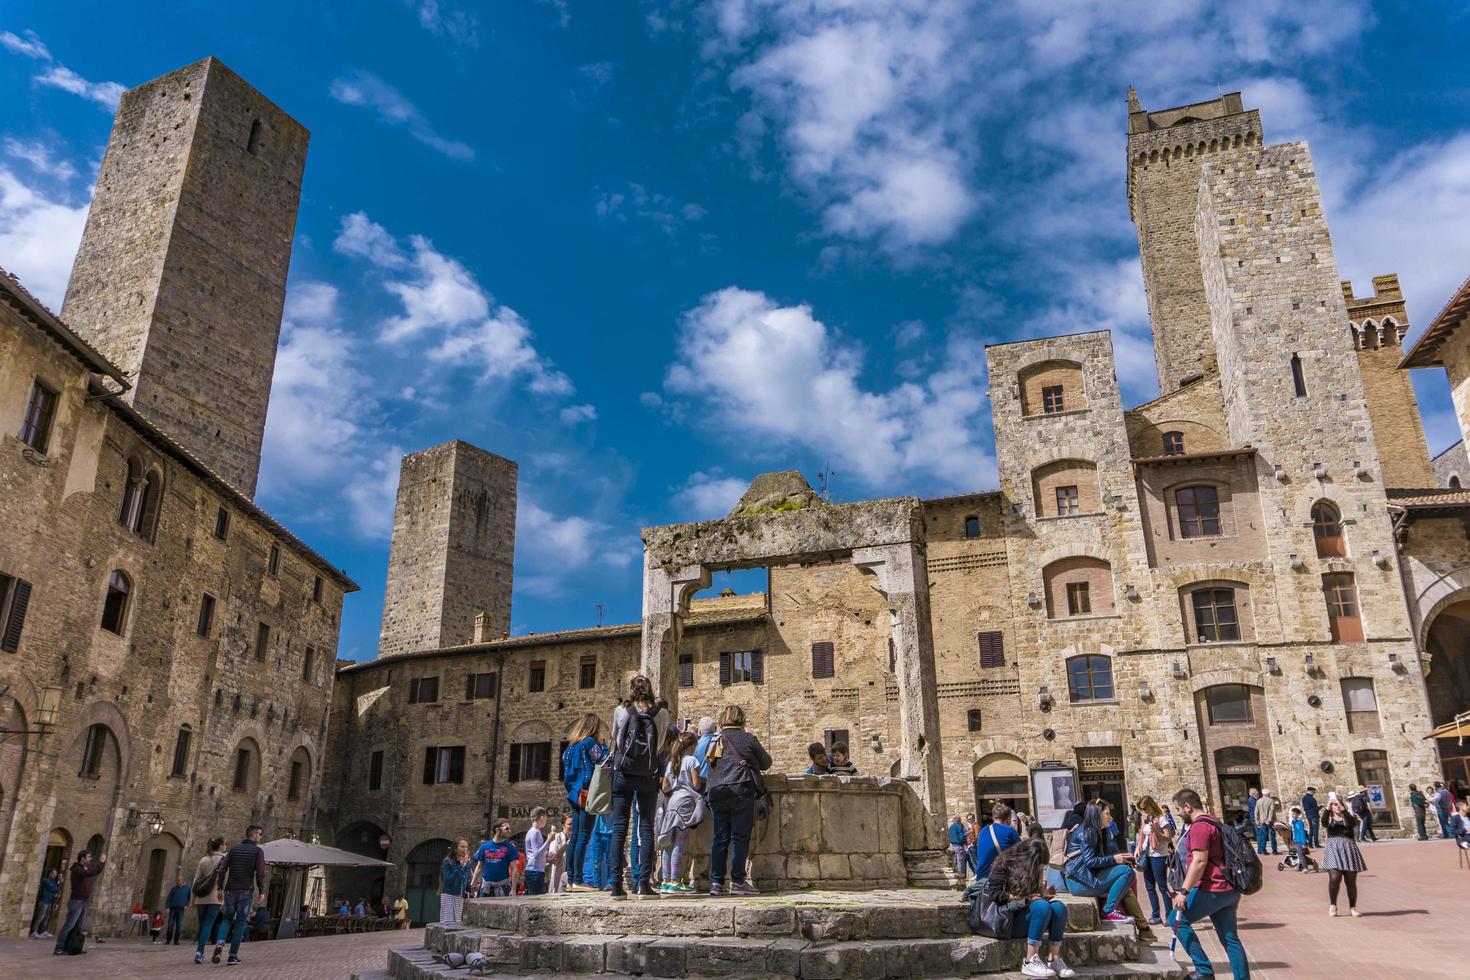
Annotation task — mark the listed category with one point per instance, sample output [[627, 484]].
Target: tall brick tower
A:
[[1166, 150], [454, 541], [181, 274]]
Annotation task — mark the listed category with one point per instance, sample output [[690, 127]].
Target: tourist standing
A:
[[1420, 806], [1252, 799], [585, 751], [738, 759], [209, 898], [244, 878], [1206, 892], [683, 810], [637, 729], [83, 876], [997, 836], [1019, 876], [956, 842], [1300, 839], [536, 847], [1265, 819], [399, 911], [1312, 810], [1444, 804], [1155, 845], [176, 903], [454, 881], [1096, 868], [556, 854], [496, 863], [1358, 803], [1341, 860], [45, 899]]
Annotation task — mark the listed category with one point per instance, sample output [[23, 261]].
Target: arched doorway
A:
[[1238, 768], [160, 855], [353, 883], [58, 858], [423, 880], [1448, 685], [1001, 778]]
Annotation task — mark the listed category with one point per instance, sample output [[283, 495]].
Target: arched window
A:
[[972, 527], [115, 608], [300, 775], [252, 145], [1198, 511], [1079, 586], [1090, 678], [1454, 482], [94, 750], [1052, 387], [247, 767], [1327, 530], [132, 498], [149, 507], [1173, 444]]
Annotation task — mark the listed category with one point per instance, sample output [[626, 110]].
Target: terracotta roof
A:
[[1428, 497], [1425, 352], [1194, 457]]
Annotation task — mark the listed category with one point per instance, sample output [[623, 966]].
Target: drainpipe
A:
[[494, 745]]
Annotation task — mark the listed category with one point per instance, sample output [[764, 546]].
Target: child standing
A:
[[1299, 838], [155, 926], [682, 773], [537, 846], [594, 871]]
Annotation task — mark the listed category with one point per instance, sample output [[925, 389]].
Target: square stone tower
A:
[[181, 274], [453, 552], [1166, 150]]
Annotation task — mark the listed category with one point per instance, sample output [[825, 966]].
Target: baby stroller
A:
[[1294, 855]]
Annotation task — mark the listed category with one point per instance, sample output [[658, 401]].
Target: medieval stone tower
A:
[[453, 549], [181, 274], [1165, 151], [1379, 324]]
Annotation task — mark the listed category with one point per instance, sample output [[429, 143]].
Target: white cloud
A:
[[363, 238], [784, 380], [39, 235], [361, 88], [705, 496], [636, 202], [56, 75], [441, 19], [577, 414], [372, 492], [40, 158], [552, 549]]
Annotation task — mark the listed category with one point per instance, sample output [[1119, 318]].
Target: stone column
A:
[[666, 593], [903, 578]]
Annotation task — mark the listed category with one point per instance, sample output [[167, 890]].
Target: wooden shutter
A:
[[757, 667], [21, 598], [992, 649], [543, 761], [686, 670], [515, 763], [822, 660], [456, 764], [724, 668], [429, 758], [892, 656]]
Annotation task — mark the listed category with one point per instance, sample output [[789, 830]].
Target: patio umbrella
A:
[[298, 855], [1460, 727]]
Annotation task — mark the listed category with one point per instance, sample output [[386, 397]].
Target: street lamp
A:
[[155, 824], [43, 718]]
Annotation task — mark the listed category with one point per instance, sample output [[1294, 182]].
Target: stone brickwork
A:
[[181, 274], [1379, 324], [1194, 411], [453, 551], [1452, 467]]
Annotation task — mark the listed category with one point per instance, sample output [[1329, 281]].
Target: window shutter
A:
[[822, 660], [515, 763], [892, 656], [469, 687], [724, 668], [992, 649], [10, 640], [757, 666], [456, 764], [429, 754], [413, 691], [686, 670], [543, 762]]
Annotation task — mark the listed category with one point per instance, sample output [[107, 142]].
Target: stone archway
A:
[[1447, 682]]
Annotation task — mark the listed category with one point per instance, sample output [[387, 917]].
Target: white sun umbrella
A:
[[299, 855]]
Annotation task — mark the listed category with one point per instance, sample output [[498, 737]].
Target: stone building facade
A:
[[167, 649]]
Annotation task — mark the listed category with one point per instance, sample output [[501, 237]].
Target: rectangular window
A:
[[1361, 705], [1079, 599], [308, 664], [181, 753], [974, 720], [423, 690], [222, 524], [479, 687], [1215, 620], [686, 670], [1052, 400], [262, 641], [1298, 376], [1067, 502], [740, 667], [892, 656], [1198, 510], [93, 750], [992, 649], [836, 736], [206, 615], [587, 675], [375, 770], [273, 563], [1173, 444], [537, 679], [35, 430], [822, 660], [530, 762], [15, 598], [1342, 608], [293, 787], [1230, 704], [316, 589], [443, 764], [242, 768]]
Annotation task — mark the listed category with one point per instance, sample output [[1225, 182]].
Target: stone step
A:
[[711, 956], [1151, 962], [372, 975]]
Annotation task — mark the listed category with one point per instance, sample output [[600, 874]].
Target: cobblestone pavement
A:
[[324, 958]]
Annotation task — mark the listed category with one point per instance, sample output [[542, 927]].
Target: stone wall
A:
[[1379, 323], [1195, 411], [1452, 467]]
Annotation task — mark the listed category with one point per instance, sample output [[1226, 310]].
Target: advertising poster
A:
[[1055, 792]]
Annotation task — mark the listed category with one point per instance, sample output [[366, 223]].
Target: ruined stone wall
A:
[[181, 274]]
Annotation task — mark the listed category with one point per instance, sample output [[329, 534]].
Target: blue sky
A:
[[650, 250]]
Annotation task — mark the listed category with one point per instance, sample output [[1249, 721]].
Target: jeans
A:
[[594, 865], [535, 882], [672, 861], [1041, 919], [1113, 883], [582, 822], [626, 790], [1264, 833], [1365, 828], [1314, 829], [734, 815], [76, 918], [635, 843], [175, 925], [1219, 908], [38, 921], [1156, 880], [1444, 821], [961, 859], [1419, 830], [237, 914], [208, 917]]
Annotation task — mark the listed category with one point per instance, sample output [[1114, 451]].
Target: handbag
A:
[[753, 775], [987, 916], [599, 789], [1058, 845]]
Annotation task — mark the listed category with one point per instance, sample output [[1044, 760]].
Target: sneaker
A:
[[644, 890], [618, 894], [1060, 967], [233, 961], [198, 957], [716, 889], [1116, 916], [667, 888], [743, 888], [1033, 967], [684, 889], [1154, 920], [219, 950]]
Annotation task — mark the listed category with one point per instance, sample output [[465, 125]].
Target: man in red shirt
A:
[[1206, 892]]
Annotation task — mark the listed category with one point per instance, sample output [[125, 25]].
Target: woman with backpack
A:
[[1018, 877], [1341, 858], [584, 751], [637, 729], [209, 898], [1095, 866], [738, 759]]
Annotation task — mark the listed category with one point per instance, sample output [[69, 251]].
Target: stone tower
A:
[[181, 274], [1165, 152], [454, 540], [1379, 324]]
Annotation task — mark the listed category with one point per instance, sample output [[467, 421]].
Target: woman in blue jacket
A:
[[586, 750], [1097, 867]]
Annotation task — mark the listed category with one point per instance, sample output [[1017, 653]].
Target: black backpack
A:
[[75, 941], [640, 751], [1242, 865]]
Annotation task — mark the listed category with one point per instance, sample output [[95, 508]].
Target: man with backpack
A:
[[244, 872], [1221, 866], [83, 876]]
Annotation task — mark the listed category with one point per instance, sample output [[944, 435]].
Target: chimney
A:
[[482, 626]]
